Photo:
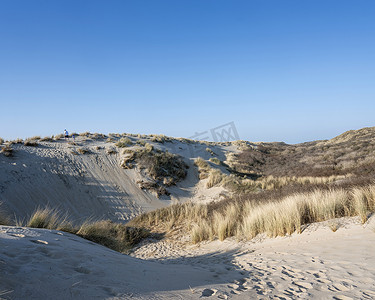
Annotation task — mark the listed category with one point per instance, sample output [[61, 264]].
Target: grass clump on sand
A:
[[45, 218], [172, 216], [124, 142], [164, 168], [203, 167], [83, 151], [1, 141], [215, 160], [4, 220], [7, 151], [31, 142], [215, 177], [247, 219], [47, 139], [159, 138], [116, 236]]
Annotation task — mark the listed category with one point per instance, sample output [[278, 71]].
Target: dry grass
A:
[[86, 134], [159, 138], [44, 218], [1, 141], [47, 139], [111, 151], [203, 167], [165, 219], [209, 150], [4, 220], [118, 237], [31, 142], [83, 151], [245, 220], [59, 136], [7, 151], [157, 164], [215, 177], [215, 160], [124, 142]]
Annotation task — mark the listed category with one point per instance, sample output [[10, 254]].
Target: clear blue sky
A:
[[282, 70]]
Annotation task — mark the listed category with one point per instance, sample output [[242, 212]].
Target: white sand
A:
[[91, 185], [318, 264]]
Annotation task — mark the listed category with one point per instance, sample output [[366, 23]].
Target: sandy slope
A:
[[318, 264], [89, 185]]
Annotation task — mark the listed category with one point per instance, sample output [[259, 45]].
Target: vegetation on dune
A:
[[7, 151], [83, 150], [164, 168], [247, 219], [116, 236], [276, 189], [124, 142], [32, 142]]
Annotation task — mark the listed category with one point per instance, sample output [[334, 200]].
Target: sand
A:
[[93, 185], [48, 264], [317, 264]]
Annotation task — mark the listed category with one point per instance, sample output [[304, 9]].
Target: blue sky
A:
[[286, 70]]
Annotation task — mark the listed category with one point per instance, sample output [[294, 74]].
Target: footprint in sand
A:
[[368, 294], [342, 297], [82, 270], [305, 285], [208, 292]]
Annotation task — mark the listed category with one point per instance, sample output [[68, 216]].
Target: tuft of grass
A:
[[4, 220], [215, 178], [118, 237], [203, 167], [159, 138], [58, 137], [83, 150], [247, 219], [141, 142], [172, 216], [215, 160], [124, 142], [209, 150], [35, 138], [111, 151], [31, 142], [149, 148], [46, 139], [364, 201], [7, 151], [87, 134], [44, 218], [157, 164], [1, 141], [334, 225]]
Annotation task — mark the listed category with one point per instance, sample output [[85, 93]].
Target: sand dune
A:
[[48, 264], [319, 264], [91, 185]]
